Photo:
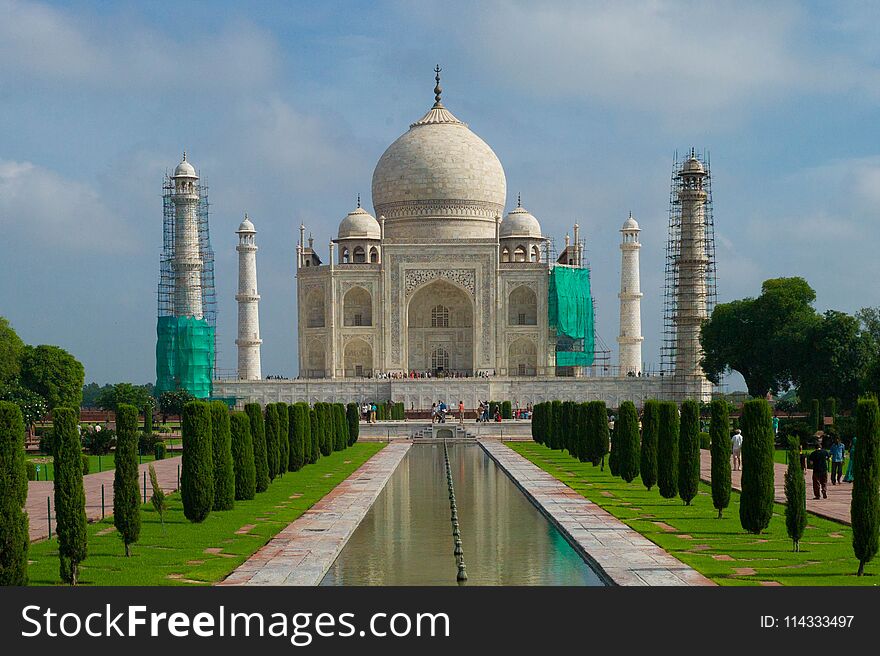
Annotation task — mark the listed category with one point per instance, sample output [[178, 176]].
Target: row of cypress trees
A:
[[233, 456]]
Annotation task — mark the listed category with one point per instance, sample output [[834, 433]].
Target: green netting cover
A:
[[570, 308], [184, 355]]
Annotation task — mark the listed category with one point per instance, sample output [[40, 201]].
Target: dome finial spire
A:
[[518, 199], [184, 154], [437, 88], [359, 200]]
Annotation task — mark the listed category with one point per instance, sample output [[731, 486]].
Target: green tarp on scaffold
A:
[[570, 309], [184, 356]]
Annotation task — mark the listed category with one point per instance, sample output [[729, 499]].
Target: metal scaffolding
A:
[[690, 275]]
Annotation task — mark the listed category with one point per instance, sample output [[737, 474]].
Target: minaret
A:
[[248, 341], [693, 265], [187, 260], [630, 338]]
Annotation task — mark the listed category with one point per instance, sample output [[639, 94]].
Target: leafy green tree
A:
[[70, 497], [14, 539], [296, 431], [126, 499], [719, 432], [667, 450], [837, 360], [173, 403], [626, 441], [831, 409], [795, 495], [110, 397], [196, 475], [221, 457], [650, 435], [315, 430], [762, 338], [756, 500], [243, 456], [90, 394], [271, 418], [54, 374], [32, 406], [865, 504], [353, 415], [258, 433], [11, 350], [689, 451]]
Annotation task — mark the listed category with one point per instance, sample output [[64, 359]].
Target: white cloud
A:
[[40, 208]]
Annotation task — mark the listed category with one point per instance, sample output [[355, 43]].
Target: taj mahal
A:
[[441, 292]]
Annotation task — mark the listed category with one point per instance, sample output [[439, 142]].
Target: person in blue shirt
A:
[[837, 451]]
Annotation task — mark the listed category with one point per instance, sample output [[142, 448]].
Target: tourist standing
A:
[[848, 477], [480, 412], [433, 412], [461, 412], [373, 409], [736, 444], [818, 462], [837, 452]]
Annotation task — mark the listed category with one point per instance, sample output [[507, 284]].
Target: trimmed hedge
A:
[[126, 496], [598, 439], [283, 437], [650, 433], [315, 430], [196, 475], [243, 466], [756, 499], [296, 432], [506, 410], [272, 452], [689, 452], [865, 505], [626, 441], [353, 416], [14, 475], [161, 451], [341, 425], [558, 429], [258, 435], [795, 495], [719, 429], [221, 455]]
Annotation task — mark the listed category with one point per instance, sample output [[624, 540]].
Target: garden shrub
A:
[[756, 499], [689, 451], [648, 452], [667, 450], [626, 441], [221, 456], [243, 456], [196, 475], [865, 505], [126, 497], [70, 498], [719, 429], [14, 475], [258, 435], [795, 496]]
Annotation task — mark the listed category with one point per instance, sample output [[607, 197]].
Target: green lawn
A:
[[96, 464], [200, 553], [718, 548]]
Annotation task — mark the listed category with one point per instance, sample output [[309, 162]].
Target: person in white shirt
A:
[[736, 443]]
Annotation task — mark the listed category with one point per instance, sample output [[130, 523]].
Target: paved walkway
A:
[[41, 491], [302, 553], [836, 506], [624, 556]]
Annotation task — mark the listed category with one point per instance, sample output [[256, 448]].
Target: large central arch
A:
[[440, 330]]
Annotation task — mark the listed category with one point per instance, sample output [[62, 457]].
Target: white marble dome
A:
[[631, 224], [246, 225], [185, 169], [693, 165], [439, 171], [359, 224], [520, 223]]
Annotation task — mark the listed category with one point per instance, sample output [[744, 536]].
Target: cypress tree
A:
[[148, 419], [14, 538], [719, 435], [756, 500], [303, 427], [126, 496], [667, 450], [341, 427], [283, 437], [795, 495], [612, 456], [314, 429], [196, 475], [831, 409], [815, 416], [221, 456], [70, 498], [650, 434], [243, 456], [258, 435], [865, 505], [271, 418], [325, 419], [536, 423], [583, 428], [626, 441], [558, 429], [297, 436], [689, 451], [353, 415], [598, 439]]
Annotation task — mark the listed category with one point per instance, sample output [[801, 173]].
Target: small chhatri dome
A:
[[520, 223], [359, 224], [185, 169], [693, 165], [246, 225], [630, 224]]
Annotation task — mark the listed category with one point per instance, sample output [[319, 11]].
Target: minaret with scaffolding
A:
[[690, 288], [187, 314]]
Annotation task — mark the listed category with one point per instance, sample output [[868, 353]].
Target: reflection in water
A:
[[406, 537]]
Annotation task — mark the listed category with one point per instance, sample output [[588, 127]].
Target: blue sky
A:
[[286, 107]]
